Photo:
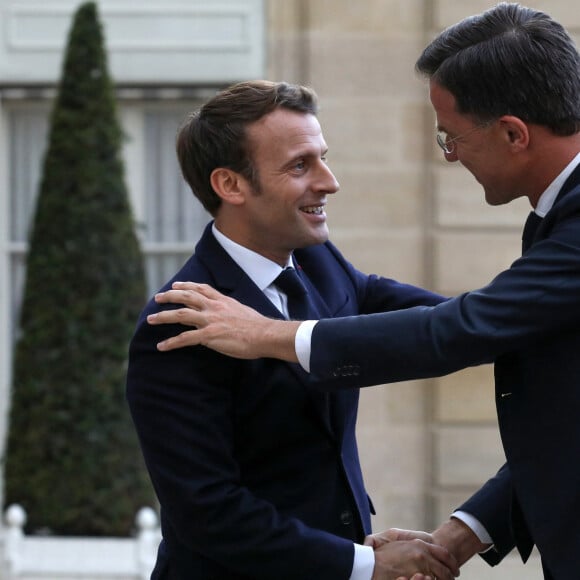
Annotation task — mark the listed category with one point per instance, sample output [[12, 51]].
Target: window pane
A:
[[28, 132], [174, 218], [173, 214]]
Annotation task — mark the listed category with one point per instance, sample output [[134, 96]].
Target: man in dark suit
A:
[[505, 87], [257, 475]]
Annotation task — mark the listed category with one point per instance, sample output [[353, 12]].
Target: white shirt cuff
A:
[[302, 343], [364, 563], [475, 525]]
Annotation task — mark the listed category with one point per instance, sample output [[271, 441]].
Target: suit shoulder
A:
[[326, 251]]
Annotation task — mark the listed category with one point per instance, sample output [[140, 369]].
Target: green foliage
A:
[[72, 458]]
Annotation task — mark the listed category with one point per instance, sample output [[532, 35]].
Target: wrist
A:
[[459, 539], [278, 338]]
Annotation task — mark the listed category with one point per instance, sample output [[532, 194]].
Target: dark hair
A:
[[215, 135], [509, 60]]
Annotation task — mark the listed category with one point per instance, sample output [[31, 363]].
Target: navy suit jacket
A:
[[527, 320], [255, 477]]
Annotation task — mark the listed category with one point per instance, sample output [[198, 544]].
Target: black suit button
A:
[[346, 517]]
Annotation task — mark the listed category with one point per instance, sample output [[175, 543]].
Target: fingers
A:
[[190, 298], [394, 534], [223, 324], [201, 289], [414, 559], [190, 295], [184, 316], [187, 338], [445, 557], [439, 552]]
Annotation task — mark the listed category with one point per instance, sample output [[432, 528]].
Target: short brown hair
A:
[[215, 135]]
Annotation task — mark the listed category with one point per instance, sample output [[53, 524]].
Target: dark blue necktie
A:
[[530, 228], [290, 283], [300, 307]]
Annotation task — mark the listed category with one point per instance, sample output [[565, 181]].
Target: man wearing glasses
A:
[[505, 87]]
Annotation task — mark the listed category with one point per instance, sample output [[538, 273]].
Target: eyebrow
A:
[[309, 153]]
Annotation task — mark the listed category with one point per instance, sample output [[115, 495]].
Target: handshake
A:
[[413, 555]]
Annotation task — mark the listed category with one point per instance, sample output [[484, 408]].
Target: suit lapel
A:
[[231, 280]]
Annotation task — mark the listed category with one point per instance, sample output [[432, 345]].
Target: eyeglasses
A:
[[448, 145]]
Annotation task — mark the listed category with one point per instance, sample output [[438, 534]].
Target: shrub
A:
[[72, 459]]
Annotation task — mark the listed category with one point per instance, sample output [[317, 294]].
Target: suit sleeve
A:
[[536, 297], [181, 402]]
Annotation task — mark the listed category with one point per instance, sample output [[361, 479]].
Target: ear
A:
[[229, 185], [516, 132]]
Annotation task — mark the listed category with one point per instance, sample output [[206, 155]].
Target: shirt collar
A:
[[549, 196], [260, 270]]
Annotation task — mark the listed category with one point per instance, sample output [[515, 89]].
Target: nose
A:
[[326, 181]]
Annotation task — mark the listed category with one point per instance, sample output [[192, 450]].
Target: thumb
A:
[[376, 540]]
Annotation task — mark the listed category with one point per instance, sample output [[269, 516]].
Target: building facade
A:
[[402, 211]]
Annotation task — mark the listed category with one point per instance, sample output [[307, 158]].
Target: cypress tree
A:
[[72, 457]]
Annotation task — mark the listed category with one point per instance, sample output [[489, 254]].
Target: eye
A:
[[300, 165]]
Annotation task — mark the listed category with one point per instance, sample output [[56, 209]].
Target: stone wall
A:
[[404, 212]]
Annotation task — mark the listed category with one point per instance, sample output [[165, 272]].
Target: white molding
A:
[[114, 17], [148, 42]]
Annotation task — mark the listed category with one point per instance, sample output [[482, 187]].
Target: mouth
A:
[[313, 209]]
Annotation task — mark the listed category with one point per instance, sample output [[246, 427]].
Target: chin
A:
[[313, 240], [322, 237], [492, 199]]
